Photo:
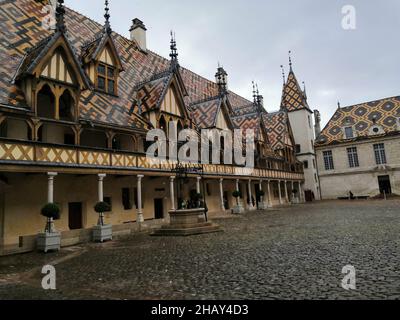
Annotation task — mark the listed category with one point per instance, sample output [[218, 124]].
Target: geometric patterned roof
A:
[[384, 113], [279, 130], [21, 29], [293, 98], [206, 112]]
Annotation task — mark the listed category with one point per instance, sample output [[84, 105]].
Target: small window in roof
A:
[[349, 132]]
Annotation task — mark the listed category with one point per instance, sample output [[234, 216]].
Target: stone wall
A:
[[361, 181]]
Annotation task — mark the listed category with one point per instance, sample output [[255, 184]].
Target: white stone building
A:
[[358, 152]]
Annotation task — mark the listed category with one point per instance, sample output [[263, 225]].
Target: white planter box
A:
[[262, 206], [102, 233], [49, 241], [238, 209]]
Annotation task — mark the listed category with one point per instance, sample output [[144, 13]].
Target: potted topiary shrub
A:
[[198, 199], [238, 209], [50, 239], [102, 232]]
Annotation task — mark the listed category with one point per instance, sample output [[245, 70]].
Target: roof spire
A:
[[338, 104], [254, 93], [290, 61], [174, 50], [107, 26], [283, 75], [221, 77], [304, 90], [60, 12]]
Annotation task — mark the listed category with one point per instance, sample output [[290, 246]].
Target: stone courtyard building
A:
[[358, 152], [76, 103]]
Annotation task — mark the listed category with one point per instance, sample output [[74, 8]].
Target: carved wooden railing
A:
[[25, 153]]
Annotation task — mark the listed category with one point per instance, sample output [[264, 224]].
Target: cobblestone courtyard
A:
[[293, 253]]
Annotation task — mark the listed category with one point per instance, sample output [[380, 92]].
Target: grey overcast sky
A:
[[251, 39]]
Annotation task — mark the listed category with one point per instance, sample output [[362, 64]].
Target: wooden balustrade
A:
[[29, 152]]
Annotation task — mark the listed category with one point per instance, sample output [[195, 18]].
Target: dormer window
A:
[[349, 133], [106, 78]]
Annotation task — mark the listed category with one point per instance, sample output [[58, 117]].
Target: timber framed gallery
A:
[[76, 103]]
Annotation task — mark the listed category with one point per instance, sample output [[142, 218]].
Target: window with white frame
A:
[[328, 160], [380, 154], [353, 157]]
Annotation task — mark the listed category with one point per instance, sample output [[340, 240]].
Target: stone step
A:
[[182, 232]]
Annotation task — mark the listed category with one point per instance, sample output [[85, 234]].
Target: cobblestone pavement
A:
[[292, 253]]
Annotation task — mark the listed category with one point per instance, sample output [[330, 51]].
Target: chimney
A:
[[317, 126], [138, 33]]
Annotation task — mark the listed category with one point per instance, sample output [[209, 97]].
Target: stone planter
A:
[[262, 206], [238, 209], [49, 241], [102, 233]]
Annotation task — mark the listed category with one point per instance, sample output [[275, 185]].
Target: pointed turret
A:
[[293, 97]]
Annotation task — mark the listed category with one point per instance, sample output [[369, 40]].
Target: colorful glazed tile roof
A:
[[293, 98], [21, 30], [279, 130], [384, 114], [206, 112]]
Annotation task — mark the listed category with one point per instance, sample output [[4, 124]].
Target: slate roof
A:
[[384, 113]]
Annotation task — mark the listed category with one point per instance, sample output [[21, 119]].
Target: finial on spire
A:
[[60, 12], [221, 77], [290, 60], [254, 92], [107, 26], [283, 75], [338, 104], [304, 90], [174, 50]]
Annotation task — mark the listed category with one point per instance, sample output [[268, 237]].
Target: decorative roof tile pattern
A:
[[384, 113], [277, 124], [293, 98], [21, 29], [206, 112]]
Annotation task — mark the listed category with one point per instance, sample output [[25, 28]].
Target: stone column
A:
[[221, 190], [280, 192], [50, 196], [251, 206], [293, 195], [261, 205], [139, 199], [286, 192], [301, 191], [237, 185], [198, 190], [50, 186], [172, 192], [100, 187], [269, 194]]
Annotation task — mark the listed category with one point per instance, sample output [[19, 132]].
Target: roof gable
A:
[[293, 98], [39, 56]]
